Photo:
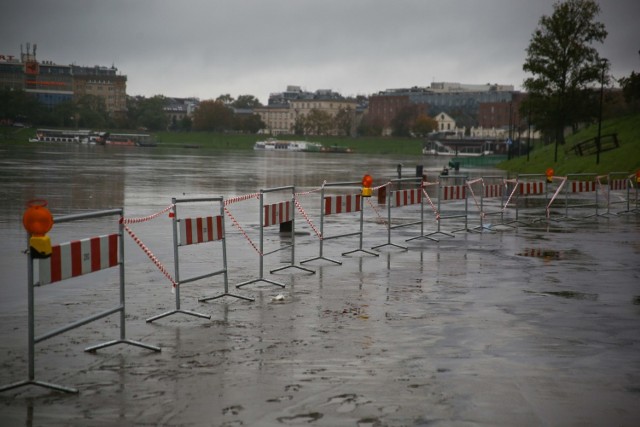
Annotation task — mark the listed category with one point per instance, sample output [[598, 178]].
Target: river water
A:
[[533, 325], [80, 178]]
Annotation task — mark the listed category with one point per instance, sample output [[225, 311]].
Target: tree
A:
[[212, 116], [403, 122], [565, 66], [344, 121], [151, 113], [631, 90], [424, 125], [246, 101], [226, 99], [318, 122], [370, 126]]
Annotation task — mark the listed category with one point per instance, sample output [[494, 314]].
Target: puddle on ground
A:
[[347, 402], [549, 254], [636, 300], [300, 418], [568, 295]]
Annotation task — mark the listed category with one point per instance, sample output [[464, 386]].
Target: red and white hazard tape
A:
[[306, 217], [433, 207], [311, 191], [237, 225], [380, 218], [241, 198], [515, 188], [381, 186], [151, 256], [473, 196], [564, 180], [146, 218]]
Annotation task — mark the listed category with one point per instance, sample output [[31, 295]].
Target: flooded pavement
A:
[[537, 325]]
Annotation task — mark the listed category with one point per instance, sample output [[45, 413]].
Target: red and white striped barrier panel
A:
[[342, 204], [618, 184], [526, 188], [277, 213], [583, 186], [76, 258], [407, 197], [493, 190], [454, 192], [200, 230]]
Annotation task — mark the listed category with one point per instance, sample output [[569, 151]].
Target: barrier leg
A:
[[226, 292], [293, 246], [178, 309], [389, 227], [360, 249], [261, 278]]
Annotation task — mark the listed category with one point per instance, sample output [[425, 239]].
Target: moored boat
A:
[[279, 145]]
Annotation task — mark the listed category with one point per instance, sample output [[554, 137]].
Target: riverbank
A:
[[623, 159]]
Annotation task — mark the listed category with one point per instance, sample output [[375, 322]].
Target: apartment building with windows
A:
[[52, 84]]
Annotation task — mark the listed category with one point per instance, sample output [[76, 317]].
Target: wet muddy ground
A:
[[538, 325]]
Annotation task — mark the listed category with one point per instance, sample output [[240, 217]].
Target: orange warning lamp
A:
[[37, 220], [549, 174], [367, 182]]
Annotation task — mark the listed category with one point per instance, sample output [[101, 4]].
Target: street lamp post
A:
[[603, 62]]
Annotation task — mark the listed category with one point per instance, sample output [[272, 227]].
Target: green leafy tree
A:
[[212, 116], [251, 123], [344, 121], [226, 99], [424, 125], [246, 101], [631, 90], [19, 106], [564, 66], [318, 122], [403, 122], [370, 126]]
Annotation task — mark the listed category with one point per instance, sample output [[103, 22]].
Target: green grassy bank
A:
[[379, 145], [623, 159], [626, 158]]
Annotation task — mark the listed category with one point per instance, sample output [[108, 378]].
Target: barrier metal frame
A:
[[612, 177], [355, 233], [540, 178], [33, 339], [505, 192], [455, 178], [635, 184], [567, 191], [176, 260], [390, 199], [261, 278]]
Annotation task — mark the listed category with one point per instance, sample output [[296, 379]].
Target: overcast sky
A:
[[205, 48]]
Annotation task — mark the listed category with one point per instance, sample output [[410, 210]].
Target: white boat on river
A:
[[278, 145]]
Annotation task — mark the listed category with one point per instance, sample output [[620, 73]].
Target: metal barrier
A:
[[275, 214], [578, 184], [491, 187], [340, 204], [455, 190], [617, 182], [398, 199], [191, 231], [73, 259], [635, 184], [531, 191]]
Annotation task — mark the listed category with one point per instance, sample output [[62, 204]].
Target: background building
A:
[[52, 84]]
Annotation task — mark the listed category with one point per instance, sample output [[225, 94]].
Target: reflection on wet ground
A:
[[532, 325]]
